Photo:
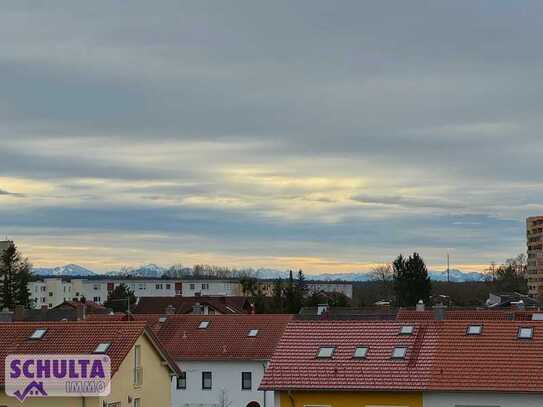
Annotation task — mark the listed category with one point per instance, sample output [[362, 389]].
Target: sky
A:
[[327, 136]]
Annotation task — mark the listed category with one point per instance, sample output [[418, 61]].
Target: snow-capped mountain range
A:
[[154, 271]]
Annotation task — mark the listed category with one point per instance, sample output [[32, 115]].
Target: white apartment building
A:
[[52, 291], [211, 287]]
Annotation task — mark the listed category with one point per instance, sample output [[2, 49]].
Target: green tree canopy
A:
[[15, 273], [119, 298], [411, 280]]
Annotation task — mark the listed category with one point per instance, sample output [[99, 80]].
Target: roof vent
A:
[[420, 306]]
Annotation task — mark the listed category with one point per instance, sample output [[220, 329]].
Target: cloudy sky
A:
[[322, 135]]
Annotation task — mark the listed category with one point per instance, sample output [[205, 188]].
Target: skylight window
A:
[[399, 352], [102, 347], [326, 352], [253, 332], [162, 319], [360, 352], [407, 330], [525, 333], [537, 316], [474, 330], [203, 325], [38, 333]]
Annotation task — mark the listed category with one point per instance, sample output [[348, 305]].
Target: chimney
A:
[[170, 310], [197, 308], [420, 306], [322, 308], [19, 313], [439, 312]]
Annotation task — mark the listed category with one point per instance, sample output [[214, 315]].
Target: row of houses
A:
[[52, 291], [277, 360]]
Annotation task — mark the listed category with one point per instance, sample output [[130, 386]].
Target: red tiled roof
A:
[[74, 338], [465, 314], [226, 337], [90, 306], [412, 315], [183, 305], [494, 361], [294, 365], [440, 357], [486, 315]]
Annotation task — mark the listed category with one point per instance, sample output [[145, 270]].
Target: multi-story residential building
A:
[[141, 369], [534, 239], [52, 291], [442, 363], [192, 287]]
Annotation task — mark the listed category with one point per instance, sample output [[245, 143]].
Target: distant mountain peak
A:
[[69, 270]]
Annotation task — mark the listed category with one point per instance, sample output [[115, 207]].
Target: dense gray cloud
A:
[[356, 129]]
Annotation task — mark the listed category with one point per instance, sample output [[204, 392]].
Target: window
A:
[[102, 347], [50, 293], [38, 333], [360, 352], [205, 286], [207, 381], [182, 381], [43, 299], [192, 286], [246, 380], [137, 403], [407, 330], [168, 286], [525, 333], [399, 352], [96, 286], [253, 332], [158, 286], [326, 352], [474, 330], [203, 325], [141, 286], [97, 299], [43, 289], [138, 371]]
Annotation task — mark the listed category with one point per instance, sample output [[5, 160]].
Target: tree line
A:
[[405, 281]]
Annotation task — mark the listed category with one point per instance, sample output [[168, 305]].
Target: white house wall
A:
[[462, 399], [227, 376]]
